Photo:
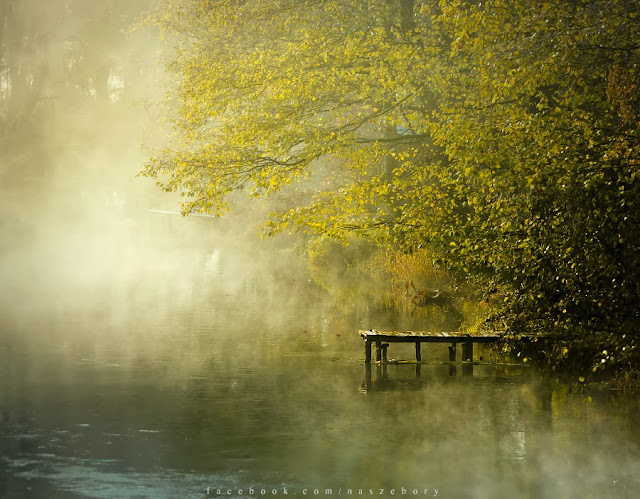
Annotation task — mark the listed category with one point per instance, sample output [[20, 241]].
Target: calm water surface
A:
[[174, 383]]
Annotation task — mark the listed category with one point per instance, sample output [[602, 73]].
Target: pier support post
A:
[[452, 352], [467, 351], [378, 351], [367, 352], [384, 352], [418, 352]]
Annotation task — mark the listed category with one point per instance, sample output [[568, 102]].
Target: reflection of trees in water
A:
[[376, 284]]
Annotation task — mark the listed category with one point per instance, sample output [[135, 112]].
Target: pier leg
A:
[[467, 351], [384, 352], [452, 352], [367, 352], [418, 352], [378, 351]]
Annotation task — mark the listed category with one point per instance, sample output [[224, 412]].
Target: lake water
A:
[[203, 373]]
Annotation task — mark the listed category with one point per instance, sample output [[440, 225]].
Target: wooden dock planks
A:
[[383, 338]]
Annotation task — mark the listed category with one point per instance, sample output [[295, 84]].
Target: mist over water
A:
[[197, 364]]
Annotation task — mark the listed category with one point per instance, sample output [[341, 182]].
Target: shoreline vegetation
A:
[[470, 310], [487, 150]]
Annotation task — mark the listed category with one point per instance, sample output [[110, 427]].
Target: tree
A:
[[52, 55], [272, 93], [63, 64], [503, 137], [547, 155]]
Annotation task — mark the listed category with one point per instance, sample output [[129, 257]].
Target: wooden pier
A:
[[382, 339]]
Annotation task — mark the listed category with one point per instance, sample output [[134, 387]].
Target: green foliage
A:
[[416, 267], [552, 188], [334, 265], [503, 138]]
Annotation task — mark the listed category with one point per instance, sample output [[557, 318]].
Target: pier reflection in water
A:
[[378, 377]]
